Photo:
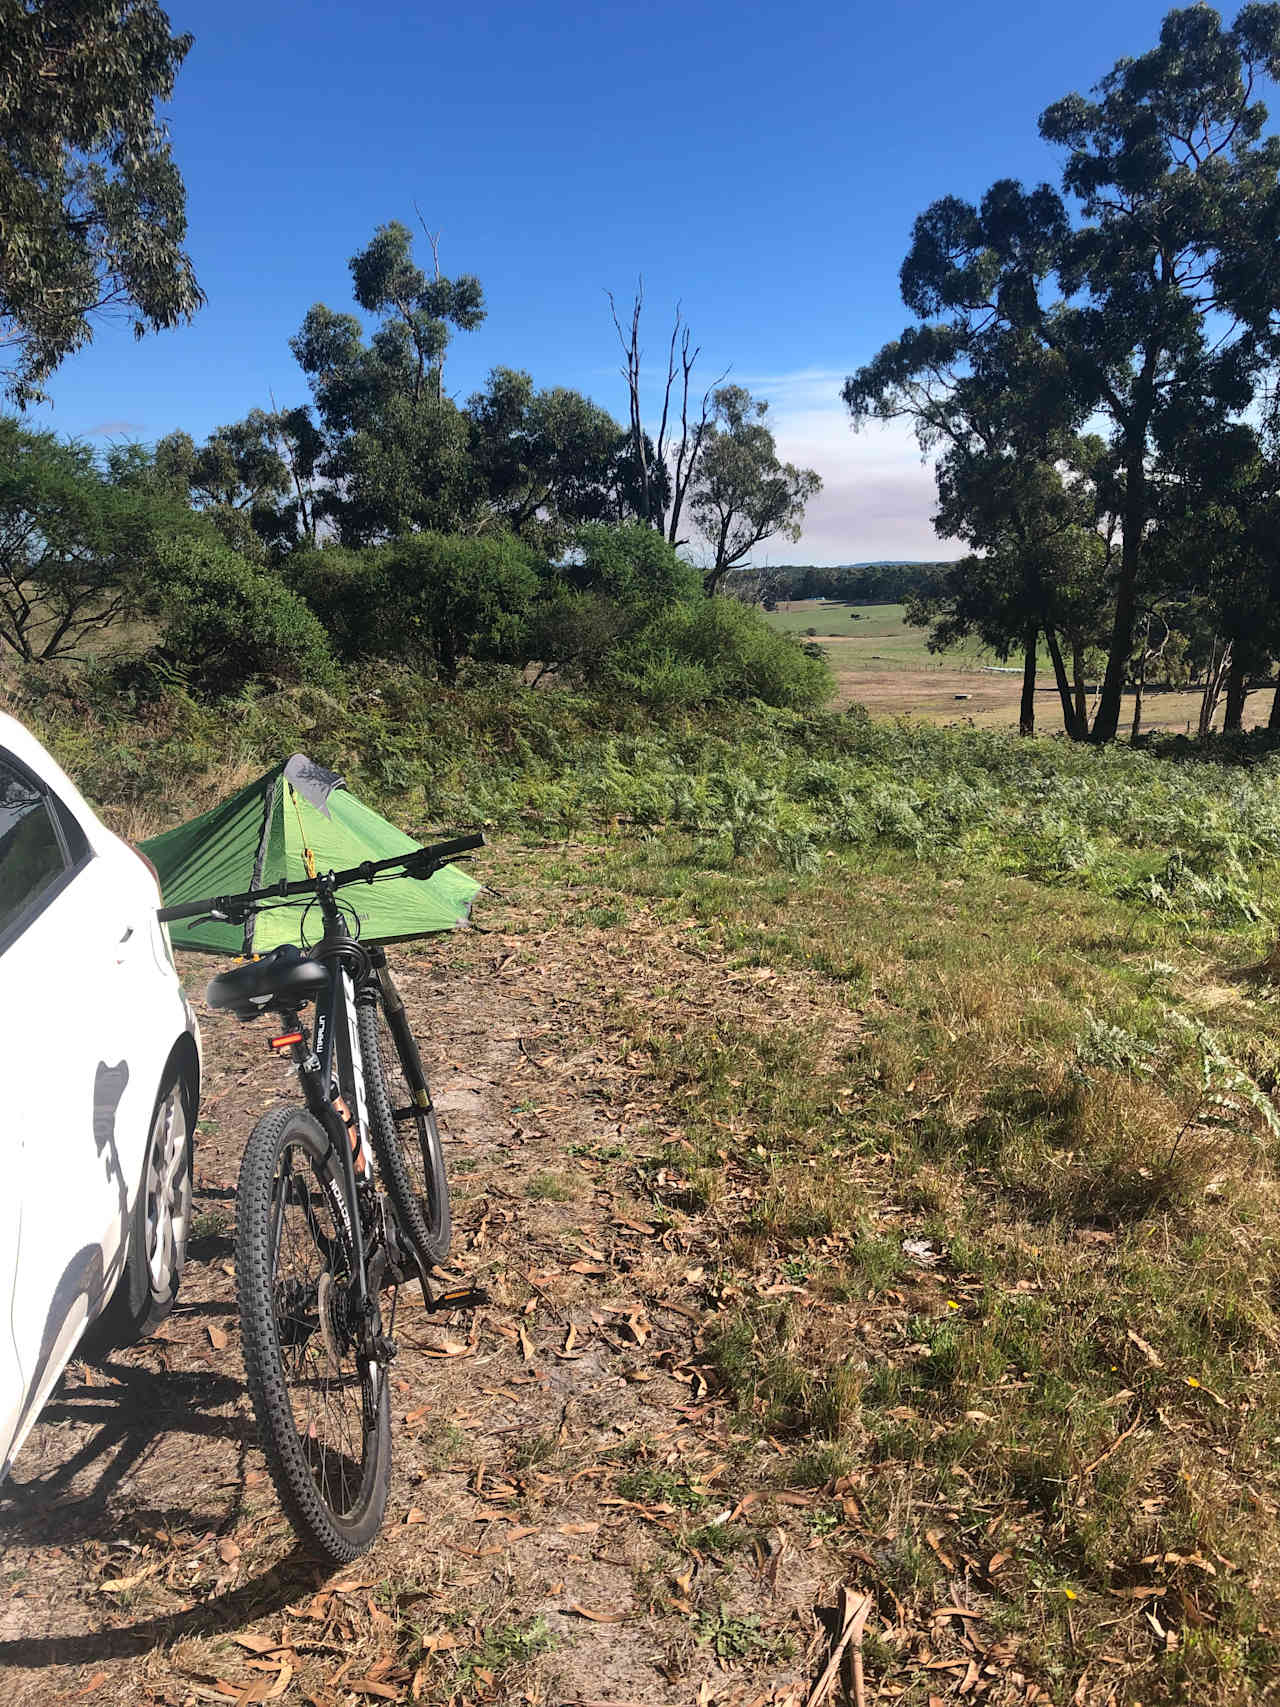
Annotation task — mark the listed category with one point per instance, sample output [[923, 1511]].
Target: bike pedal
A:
[[459, 1298]]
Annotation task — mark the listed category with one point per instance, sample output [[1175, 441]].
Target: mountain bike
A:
[[338, 1201]]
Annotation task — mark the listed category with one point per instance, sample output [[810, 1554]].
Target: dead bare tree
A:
[[667, 465], [1149, 653], [1215, 677]]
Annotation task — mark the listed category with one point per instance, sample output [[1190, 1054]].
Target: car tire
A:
[[158, 1226]]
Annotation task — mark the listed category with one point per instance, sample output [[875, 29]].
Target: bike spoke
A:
[[317, 1339]]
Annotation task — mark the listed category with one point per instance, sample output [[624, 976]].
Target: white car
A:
[[99, 1086]]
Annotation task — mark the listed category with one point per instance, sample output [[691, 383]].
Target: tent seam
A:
[[261, 860]]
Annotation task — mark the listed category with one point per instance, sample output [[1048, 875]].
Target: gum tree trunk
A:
[[1074, 728], [1077, 674], [1027, 710], [1237, 690]]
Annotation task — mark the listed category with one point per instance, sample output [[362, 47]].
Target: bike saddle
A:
[[286, 976]]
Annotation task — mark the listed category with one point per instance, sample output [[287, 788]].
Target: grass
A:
[[884, 664], [661, 1487], [549, 1188], [1032, 1046], [1080, 1197], [876, 634], [951, 1058]]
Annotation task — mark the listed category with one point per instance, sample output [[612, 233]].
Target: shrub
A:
[[335, 582], [594, 605], [732, 650], [439, 599], [227, 622], [633, 567]]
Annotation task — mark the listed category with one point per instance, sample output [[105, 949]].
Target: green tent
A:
[[258, 836]]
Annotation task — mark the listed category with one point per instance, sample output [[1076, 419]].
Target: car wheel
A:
[[158, 1227]]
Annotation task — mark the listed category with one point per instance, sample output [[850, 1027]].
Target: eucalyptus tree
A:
[[1217, 545], [741, 493], [397, 447], [1034, 572], [546, 460], [239, 478], [1150, 280], [92, 205], [78, 543], [1014, 484]]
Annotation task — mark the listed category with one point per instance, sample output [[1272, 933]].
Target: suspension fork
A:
[[315, 1074]]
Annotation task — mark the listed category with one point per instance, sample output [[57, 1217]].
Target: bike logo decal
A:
[[357, 1067]]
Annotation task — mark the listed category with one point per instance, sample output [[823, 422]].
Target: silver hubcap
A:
[[168, 1194]]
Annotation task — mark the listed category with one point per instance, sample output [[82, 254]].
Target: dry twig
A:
[[853, 1621]]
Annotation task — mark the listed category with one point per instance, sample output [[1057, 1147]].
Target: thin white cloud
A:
[[115, 429], [878, 494]]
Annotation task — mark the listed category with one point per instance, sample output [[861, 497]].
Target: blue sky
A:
[[762, 163]]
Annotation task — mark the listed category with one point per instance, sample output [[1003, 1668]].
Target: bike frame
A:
[[319, 1062], [351, 968]]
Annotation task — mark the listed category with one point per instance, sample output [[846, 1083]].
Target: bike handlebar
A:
[[421, 862]]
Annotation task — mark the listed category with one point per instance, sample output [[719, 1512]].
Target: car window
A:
[[33, 855]]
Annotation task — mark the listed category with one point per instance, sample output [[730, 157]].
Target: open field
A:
[[881, 630], [884, 664]]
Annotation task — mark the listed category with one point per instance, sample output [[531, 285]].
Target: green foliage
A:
[[717, 649], [736, 1636], [397, 448], [240, 476], [661, 1487], [856, 583], [335, 581], [503, 1646], [741, 494], [632, 567], [227, 622], [1141, 295], [76, 546], [1229, 1096], [436, 600], [1193, 842], [595, 606], [92, 208], [546, 460]]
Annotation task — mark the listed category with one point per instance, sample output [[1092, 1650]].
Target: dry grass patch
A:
[[992, 1233]]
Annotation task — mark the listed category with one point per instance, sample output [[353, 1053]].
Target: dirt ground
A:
[[990, 699], [572, 1517]]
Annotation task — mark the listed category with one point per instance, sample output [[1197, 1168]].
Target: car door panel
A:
[[67, 1040], [90, 1013], [65, 1076]]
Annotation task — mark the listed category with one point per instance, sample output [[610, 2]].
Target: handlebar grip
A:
[[187, 910], [443, 852]]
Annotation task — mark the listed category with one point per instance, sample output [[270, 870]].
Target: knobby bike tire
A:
[[298, 1340], [406, 1139]]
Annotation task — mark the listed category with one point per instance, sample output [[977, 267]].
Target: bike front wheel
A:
[[406, 1139], [322, 1408]]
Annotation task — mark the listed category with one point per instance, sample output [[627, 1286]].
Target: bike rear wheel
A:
[[322, 1410], [406, 1139]]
